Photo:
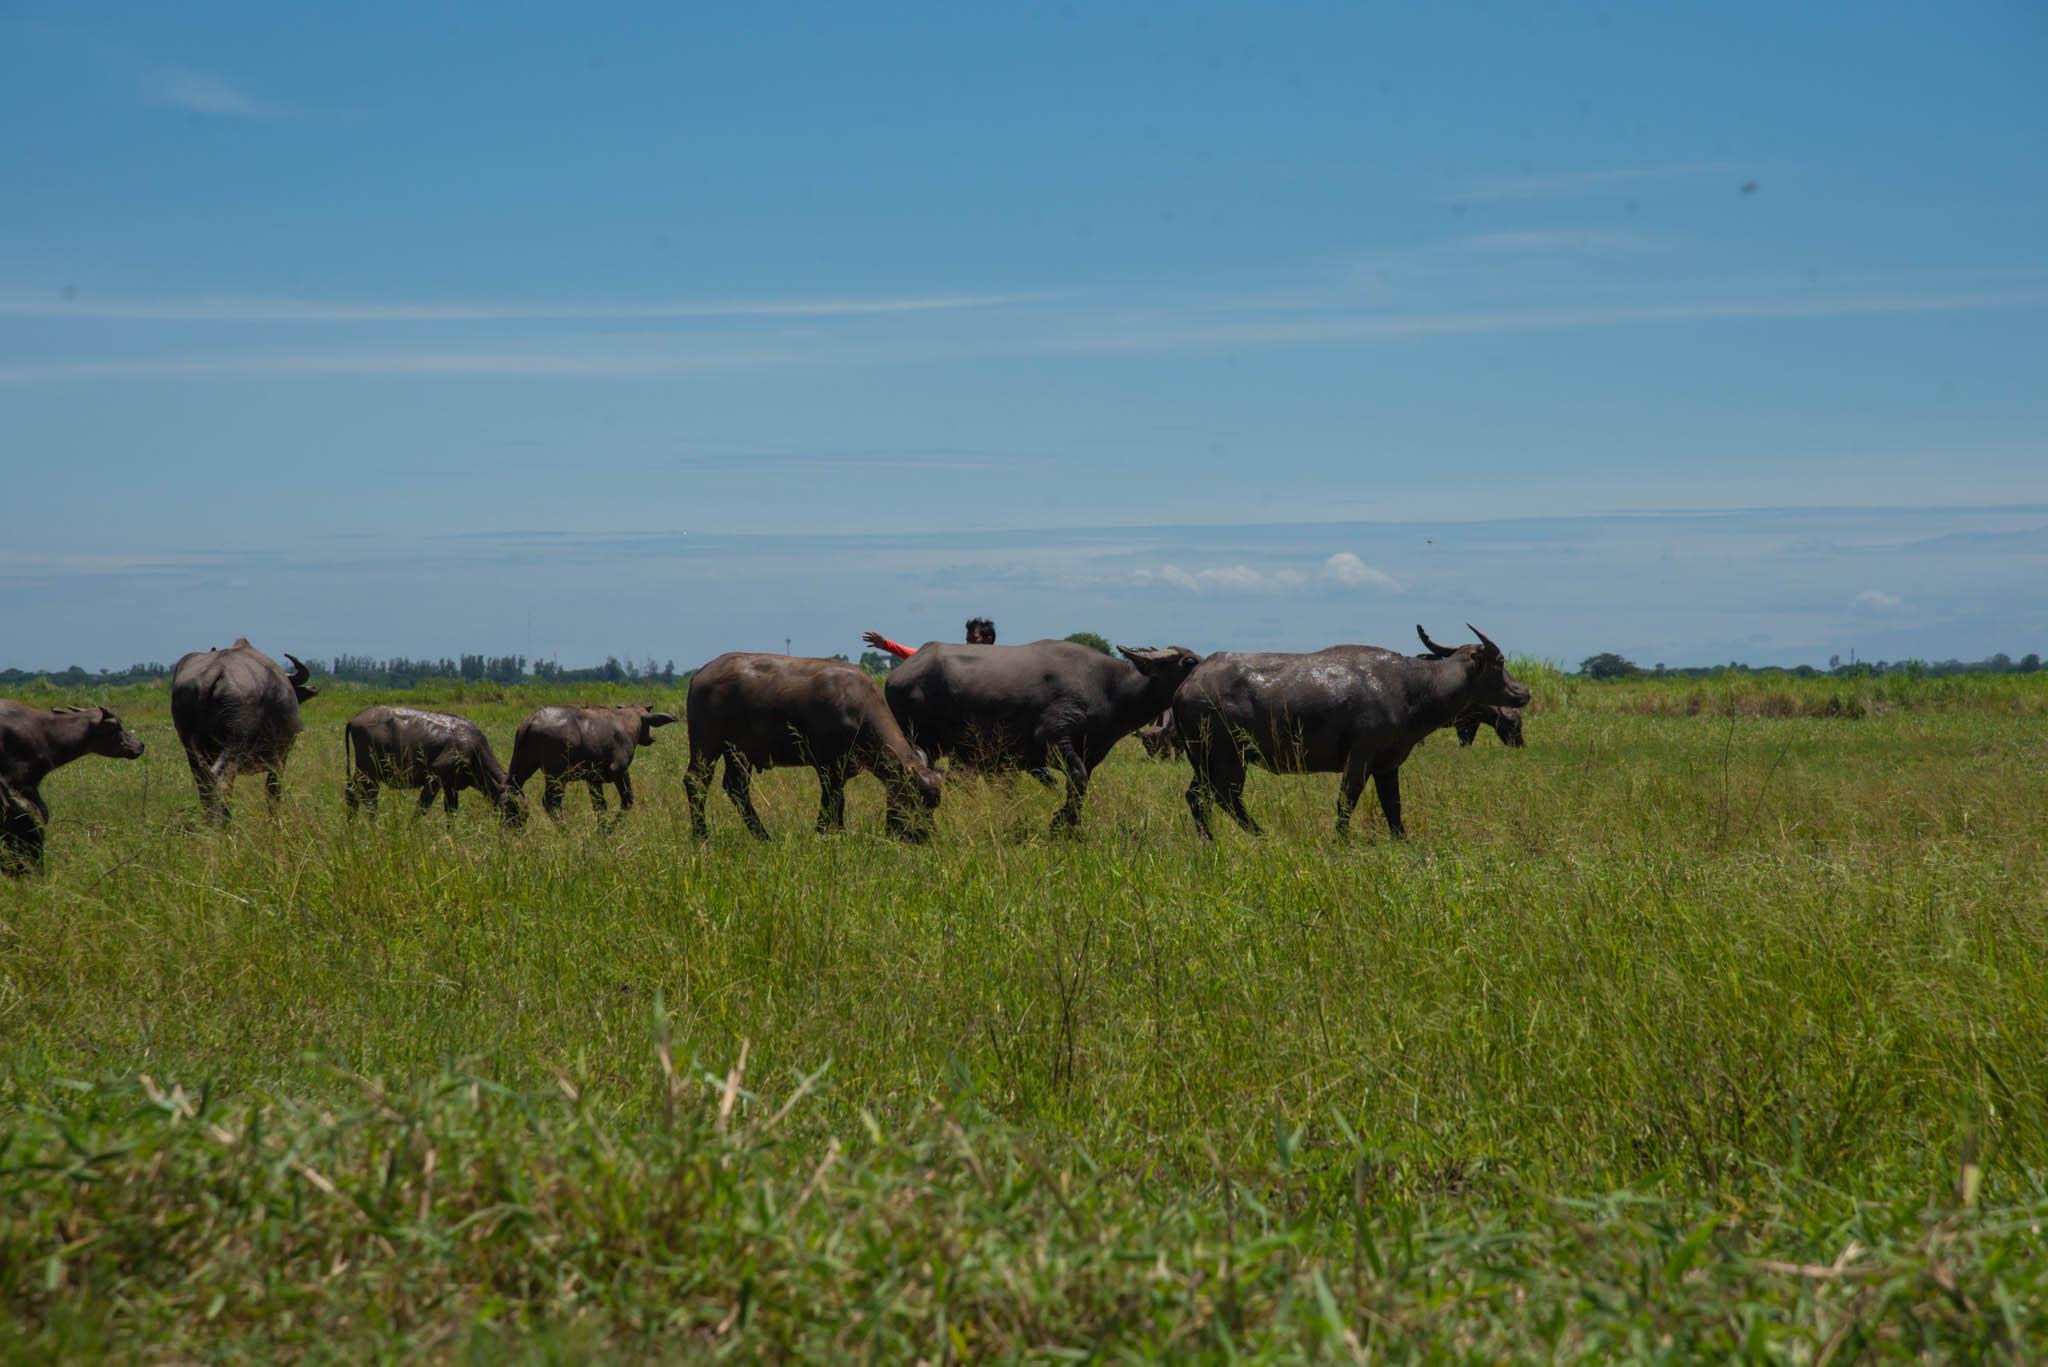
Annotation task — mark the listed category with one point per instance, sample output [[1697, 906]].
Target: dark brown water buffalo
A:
[[1350, 710], [1505, 721], [438, 753], [235, 710], [595, 744], [1050, 704], [32, 743], [1161, 738], [761, 711]]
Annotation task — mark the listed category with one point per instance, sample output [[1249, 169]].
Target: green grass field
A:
[[1711, 1023]]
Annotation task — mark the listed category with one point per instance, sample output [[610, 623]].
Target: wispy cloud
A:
[[1164, 330], [1879, 600], [1537, 240], [200, 92], [1577, 184], [1342, 569], [26, 305]]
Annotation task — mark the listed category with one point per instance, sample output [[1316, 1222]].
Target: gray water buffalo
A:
[[32, 743], [760, 711], [1047, 705], [595, 744], [235, 710], [1505, 721], [438, 753], [1349, 710]]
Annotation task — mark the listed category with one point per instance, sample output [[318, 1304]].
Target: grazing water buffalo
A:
[[595, 744], [1048, 704], [32, 743], [1350, 710], [1161, 738], [236, 710], [760, 711], [438, 753], [1505, 721]]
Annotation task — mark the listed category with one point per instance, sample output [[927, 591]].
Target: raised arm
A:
[[881, 642]]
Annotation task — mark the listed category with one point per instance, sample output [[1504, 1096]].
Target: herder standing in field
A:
[[980, 632]]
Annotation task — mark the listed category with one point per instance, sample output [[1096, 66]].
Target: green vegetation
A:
[[1710, 1024]]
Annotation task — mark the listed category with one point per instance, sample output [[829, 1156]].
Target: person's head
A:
[[980, 631]]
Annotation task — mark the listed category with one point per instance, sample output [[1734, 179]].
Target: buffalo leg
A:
[[429, 790], [448, 790], [1198, 805], [739, 787], [1388, 784], [1076, 769], [696, 779], [361, 791], [551, 789], [1222, 772], [1349, 789], [596, 794], [624, 783], [210, 776], [831, 798], [273, 786]]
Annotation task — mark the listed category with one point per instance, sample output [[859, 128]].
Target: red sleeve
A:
[[900, 652]]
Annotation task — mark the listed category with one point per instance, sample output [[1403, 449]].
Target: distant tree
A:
[[2029, 663], [1607, 665], [875, 662], [1092, 641]]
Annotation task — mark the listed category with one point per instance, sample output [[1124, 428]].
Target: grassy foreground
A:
[[1706, 1025]]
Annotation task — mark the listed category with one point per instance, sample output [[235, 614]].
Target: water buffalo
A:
[[1161, 738], [438, 753], [595, 744], [236, 710], [1050, 704], [1505, 721], [32, 743], [1350, 710], [760, 711]]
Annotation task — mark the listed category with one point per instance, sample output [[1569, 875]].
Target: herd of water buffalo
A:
[[1052, 709]]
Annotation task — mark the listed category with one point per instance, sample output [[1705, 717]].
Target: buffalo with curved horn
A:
[[236, 710]]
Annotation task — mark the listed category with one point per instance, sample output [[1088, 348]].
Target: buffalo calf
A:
[[32, 743], [595, 744], [438, 753], [761, 711]]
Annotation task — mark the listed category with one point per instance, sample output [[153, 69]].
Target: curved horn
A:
[[1431, 646], [299, 672], [1482, 638]]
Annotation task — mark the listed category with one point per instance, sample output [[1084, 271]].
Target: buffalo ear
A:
[[662, 719], [1148, 659]]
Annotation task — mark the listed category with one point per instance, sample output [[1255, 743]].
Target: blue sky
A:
[[1695, 332]]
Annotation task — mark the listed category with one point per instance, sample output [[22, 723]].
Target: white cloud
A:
[[1882, 602], [1222, 578], [201, 93], [22, 305], [1348, 570]]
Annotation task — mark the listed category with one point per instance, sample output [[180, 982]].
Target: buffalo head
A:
[[1171, 664], [300, 678], [106, 735], [649, 720], [1489, 665]]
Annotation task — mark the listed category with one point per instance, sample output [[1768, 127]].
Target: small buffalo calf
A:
[[1505, 721], [1161, 738], [438, 753], [594, 744], [32, 743]]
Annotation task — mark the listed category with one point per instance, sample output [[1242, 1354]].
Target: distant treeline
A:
[[396, 672], [1611, 666]]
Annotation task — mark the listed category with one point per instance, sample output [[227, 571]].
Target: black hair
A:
[[981, 626]]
